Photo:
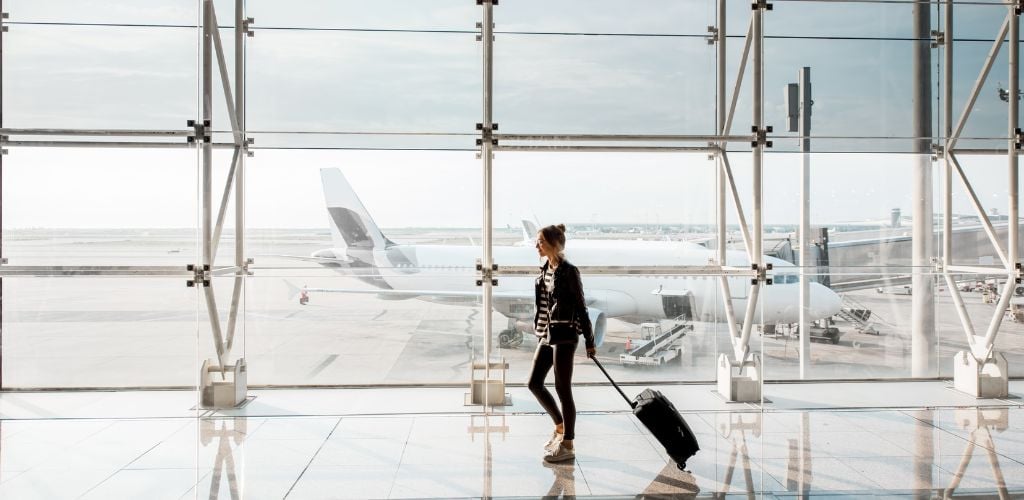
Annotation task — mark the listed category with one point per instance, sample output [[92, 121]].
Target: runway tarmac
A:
[[154, 331]]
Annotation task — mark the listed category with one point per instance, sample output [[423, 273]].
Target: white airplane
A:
[[444, 274]]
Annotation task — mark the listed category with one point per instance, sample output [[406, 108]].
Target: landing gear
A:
[[509, 339]]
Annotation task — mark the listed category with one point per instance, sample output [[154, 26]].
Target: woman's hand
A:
[[591, 352]]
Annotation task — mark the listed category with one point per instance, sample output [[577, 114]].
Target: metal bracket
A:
[[492, 2], [938, 38], [486, 274], [3, 261], [245, 266], [762, 274], [3, 17], [480, 26], [201, 275], [712, 35], [249, 141], [1018, 7], [760, 5], [3, 140], [486, 134], [1018, 139], [1017, 273], [199, 129], [761, 136], [247, 27]]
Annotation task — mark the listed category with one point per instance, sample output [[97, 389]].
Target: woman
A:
[[561, 317]]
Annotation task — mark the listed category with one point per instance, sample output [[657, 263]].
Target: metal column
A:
[[1014, 122], [721, 117], [487, 38], [804, 131], [3, 28], [487, 392], [923, 337]]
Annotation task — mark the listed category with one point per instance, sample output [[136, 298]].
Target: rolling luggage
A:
[[660, 417]]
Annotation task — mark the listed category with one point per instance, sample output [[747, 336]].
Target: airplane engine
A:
[[599, 323]]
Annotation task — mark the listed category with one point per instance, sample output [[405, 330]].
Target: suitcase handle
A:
[[624, 396]]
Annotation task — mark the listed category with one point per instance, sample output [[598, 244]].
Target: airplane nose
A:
[[824, 302]]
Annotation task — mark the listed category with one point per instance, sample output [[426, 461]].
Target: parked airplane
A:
[[443, 274]]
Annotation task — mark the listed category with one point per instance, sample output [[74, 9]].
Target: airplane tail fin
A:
[[351, 224], [529, 229]]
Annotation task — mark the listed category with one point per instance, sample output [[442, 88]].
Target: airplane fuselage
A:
[[628, 297]]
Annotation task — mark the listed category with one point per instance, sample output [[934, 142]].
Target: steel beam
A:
[[609, 149], [109, 144], [969, 106], [225, 80], [637, 270], [741, 218], [739, 77], [622, 138], [95, 132], [980, 210]]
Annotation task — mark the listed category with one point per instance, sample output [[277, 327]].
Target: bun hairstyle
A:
[[555, 237]]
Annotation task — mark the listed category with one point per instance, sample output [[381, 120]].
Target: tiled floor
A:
[[268, 450]]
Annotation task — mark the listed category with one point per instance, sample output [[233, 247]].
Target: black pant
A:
[[561, 356]]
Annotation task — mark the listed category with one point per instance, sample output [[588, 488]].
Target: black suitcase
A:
[[660, 417]]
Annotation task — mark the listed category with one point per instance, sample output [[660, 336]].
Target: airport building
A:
[[265, 249]]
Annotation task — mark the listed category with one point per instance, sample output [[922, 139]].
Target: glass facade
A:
[[342, 211]]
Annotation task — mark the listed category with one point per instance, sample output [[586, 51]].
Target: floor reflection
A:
[[980, 423], [735, 429], [564, 482], [223, 431], [910, 453]]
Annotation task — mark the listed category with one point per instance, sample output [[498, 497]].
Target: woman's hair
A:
[[555, 236]]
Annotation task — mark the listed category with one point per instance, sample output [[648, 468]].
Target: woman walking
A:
[[561, 318]]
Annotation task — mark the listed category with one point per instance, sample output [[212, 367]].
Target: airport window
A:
[[313, 200]]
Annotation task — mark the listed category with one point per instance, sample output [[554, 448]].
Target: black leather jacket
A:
[[566, 305]]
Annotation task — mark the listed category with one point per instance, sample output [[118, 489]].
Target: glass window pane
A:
[[363, 82], [71, 206], [604, 85], [99, 332], [112, 77]]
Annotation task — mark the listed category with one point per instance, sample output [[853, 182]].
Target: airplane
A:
[[404, 271]]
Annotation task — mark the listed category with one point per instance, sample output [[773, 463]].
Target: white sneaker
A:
[[560, 454], [556, 439]]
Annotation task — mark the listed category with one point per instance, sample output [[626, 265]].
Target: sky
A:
[[303, 81]]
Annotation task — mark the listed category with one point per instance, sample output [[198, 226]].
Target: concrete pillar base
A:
[[227, 391], [740, 382], [990, 379]]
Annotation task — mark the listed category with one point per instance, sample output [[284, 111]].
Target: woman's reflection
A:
[[564, 483]]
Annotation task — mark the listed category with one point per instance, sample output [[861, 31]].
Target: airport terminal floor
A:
[[829, 440]]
